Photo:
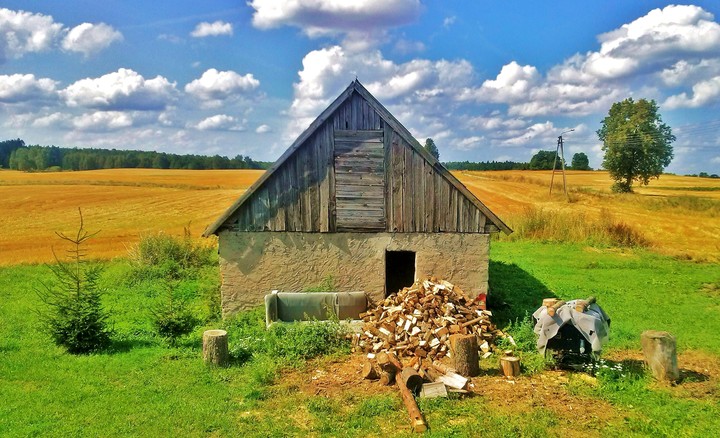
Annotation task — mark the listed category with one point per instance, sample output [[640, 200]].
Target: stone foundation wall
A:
[[254, 263]]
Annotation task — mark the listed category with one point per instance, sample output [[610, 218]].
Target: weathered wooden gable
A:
[[357, 168]]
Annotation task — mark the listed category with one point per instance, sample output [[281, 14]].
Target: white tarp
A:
[[593, 324]]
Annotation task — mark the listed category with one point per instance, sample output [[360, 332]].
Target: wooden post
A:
[[412, 379], [215, 348], [554, 308], [660, 355], [510, 366], [465, 354]]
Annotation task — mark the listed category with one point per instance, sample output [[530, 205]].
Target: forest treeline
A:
[[14, 154]]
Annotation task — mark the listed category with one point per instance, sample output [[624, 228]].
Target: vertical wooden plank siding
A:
[[396, 187]]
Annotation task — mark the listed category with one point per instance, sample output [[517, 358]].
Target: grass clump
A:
[[173, 317], [164, 256], [558, 227]]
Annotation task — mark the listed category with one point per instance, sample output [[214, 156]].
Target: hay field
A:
[[679, 215], [122, 203]]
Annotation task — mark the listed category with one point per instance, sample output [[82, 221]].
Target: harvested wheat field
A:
[[122, 204], [678, 215]]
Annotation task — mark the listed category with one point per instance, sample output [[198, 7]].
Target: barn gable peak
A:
[[357, 168]]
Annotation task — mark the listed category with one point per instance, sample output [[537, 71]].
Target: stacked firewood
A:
[[418, 321]]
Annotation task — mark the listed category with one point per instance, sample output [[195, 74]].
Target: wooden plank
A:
[[313, 182], [408, 195], [323, 190], [331, 181], [387, 146], [429, 198], [420, 223], [398, 164], [370, 136]]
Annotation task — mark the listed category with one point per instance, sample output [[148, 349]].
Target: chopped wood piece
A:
[[510, 366], [433, 390], [370, 371], [454, 380], [215, 348]]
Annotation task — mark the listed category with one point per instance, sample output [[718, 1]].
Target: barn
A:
[[358, 200]]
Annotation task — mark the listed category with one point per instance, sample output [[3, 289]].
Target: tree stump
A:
[[465, 354], [510, 366], [660, 355], [412, 379], [215, 348], [370, 371]]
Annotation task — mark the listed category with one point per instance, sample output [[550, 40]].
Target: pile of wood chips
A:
[[417, 322]]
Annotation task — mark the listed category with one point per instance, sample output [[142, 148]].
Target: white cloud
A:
[[25, 87], [24, 32], [405, 47], [449, 21], [220, 122], [215, 86], [704, 93], [103, 121], [124, 89], [88, 38], [52, 120], [263, 129], [216, 28], [322, 17]]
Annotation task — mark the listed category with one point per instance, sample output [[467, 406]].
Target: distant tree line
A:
[[486, 165], [542, 160], [14, 154]]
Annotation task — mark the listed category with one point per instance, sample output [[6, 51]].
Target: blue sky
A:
[[487, 80]]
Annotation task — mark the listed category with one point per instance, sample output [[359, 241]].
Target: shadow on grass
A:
[[513, 293], [125, 345]]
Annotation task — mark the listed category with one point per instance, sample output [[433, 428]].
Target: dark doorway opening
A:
[[399, 270]]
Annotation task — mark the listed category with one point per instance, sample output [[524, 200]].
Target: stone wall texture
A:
[[254, 263]]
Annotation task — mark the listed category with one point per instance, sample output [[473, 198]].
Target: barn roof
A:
[[392, 122]]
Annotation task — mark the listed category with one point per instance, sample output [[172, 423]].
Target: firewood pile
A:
[[418, 321]]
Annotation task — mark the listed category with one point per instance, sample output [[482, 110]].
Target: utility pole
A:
[[559, 152]]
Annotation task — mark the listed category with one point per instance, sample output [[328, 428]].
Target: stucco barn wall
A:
[[254, 263]]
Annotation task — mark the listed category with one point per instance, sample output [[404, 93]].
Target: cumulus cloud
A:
[[25, 87], [103, 121], [216, 28], [704, 93], [52, 120], [215, 86], [24, 32], [219, 122], [88, 38], [124, 89], [322, 17]]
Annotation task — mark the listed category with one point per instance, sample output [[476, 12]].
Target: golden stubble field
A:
[[679, 215]]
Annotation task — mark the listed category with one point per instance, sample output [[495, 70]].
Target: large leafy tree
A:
[[430, 147], [637, 144], [580, 161], [543, 160]]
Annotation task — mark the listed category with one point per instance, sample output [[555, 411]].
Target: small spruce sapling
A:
[[75, 318]]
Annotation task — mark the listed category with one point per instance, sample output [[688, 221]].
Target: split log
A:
[[465, 354], [659, 350], [215, 348], [387, 378], [370, 371], [433, 390], [510, 366], [554, 308]]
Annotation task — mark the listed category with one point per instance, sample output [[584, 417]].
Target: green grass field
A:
[[145, 387]]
